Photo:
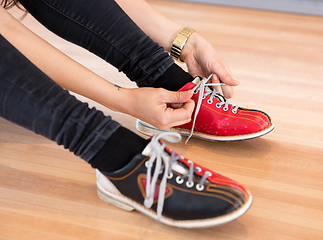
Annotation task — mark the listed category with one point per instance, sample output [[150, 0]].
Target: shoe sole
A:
[[150, 130], [127, 204]]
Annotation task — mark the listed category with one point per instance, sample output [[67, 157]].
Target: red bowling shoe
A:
[[215, 118]]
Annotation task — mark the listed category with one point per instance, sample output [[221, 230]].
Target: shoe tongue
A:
[[217, 95], [177, 167], [207, 89]]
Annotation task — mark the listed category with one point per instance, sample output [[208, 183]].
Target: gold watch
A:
[[180, 42]]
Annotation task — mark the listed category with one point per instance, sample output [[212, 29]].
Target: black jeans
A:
[[103, 28], [31, 99]]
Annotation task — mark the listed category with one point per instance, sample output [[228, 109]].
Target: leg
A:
[[150, 181], [31, 99], [104, 29]]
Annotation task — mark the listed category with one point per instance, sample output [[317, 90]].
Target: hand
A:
[[202, 60], [157, 106]]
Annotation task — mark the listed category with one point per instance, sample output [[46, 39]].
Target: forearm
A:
[[66, 72], [160, 28]]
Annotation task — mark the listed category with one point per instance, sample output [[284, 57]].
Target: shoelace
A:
[[201, 87], [163, 164]]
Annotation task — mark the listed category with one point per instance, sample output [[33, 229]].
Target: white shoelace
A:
[[204, 88], [163, 163]]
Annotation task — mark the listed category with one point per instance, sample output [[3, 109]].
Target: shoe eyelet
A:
[[234, 111], [189, 184], [199, 187], [208, 173], [198, 169], [170, 176], [147, 164], [179, 180], [225, 109], [203, 97], [218, 105], [209, 101]]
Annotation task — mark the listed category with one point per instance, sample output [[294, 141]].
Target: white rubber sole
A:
[[117, 199], [150, 130]]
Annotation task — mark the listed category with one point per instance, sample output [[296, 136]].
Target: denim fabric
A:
[[31, 99], [103, 28]]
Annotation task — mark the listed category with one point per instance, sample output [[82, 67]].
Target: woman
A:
[[132, 173]]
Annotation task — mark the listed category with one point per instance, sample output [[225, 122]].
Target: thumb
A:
[[178, 97]]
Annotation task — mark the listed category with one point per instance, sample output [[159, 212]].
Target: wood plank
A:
[[48, 193]]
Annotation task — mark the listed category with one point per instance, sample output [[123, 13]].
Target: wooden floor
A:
[[48, 193]]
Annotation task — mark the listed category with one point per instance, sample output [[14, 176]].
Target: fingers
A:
[[167, 117], [175, 117], [215, 79], [177, 97], [224, 74], [227, 89], [203, 60]]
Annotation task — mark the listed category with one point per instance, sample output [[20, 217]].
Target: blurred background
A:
[[313, 7]]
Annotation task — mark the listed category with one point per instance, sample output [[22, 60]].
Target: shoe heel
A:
[[148, 129], [114, 202]]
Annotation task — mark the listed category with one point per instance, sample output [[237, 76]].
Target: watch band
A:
[[179, 43]]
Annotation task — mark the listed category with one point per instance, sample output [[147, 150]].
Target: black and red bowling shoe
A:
[[173, 190]]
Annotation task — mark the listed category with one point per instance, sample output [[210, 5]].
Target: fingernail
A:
[[236, 82], [189, 92]]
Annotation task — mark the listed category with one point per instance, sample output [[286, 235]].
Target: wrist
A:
[[117, 100], [179, 43], [129, 101], [190, 46], [171, 36], [123, 99]]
